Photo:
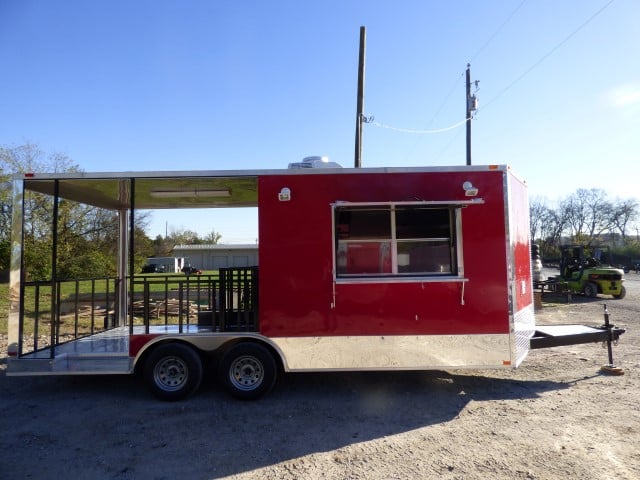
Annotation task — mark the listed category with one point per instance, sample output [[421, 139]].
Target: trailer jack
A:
[[610, 368]]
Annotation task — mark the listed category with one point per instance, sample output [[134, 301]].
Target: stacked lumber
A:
[[170, 308]]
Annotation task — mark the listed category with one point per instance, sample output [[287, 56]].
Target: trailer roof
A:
[[184, 189], [152, 192]]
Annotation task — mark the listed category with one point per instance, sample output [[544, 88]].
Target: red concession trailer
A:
[[359, 269]]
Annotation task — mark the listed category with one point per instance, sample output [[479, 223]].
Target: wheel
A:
[[621, 295], [173, 371], [248, 371], [591, 290]]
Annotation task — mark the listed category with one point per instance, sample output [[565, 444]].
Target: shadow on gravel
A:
[[305, 414]]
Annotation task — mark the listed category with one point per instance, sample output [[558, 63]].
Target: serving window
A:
[[395, 240]]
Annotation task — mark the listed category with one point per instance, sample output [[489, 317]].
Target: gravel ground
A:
[[556, 417]]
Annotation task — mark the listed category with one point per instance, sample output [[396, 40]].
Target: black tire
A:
[[591, 290], [248, 371], [622, 294], [173, 371]]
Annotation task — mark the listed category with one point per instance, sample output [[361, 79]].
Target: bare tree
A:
[[599, 213], [554, 225], [588, 214], [537, 210], [624, 213]]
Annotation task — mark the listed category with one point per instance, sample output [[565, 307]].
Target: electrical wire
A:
[[453, 88], [509, 86], [548, 54], [447, 146], [446, 98], [414, 131], [495, 34]]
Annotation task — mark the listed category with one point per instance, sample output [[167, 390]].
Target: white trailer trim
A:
[[401, 352]]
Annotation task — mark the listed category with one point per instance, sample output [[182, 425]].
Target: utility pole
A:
[[468, 113], [471, 106], [360, 102]]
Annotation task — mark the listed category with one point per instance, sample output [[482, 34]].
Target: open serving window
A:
[[398, 240]]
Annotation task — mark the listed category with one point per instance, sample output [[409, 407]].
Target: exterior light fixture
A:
[[284, 195], [189, 193], [469, 189]]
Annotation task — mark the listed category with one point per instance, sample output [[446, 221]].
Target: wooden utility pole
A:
[[360, 103], [468, 114]]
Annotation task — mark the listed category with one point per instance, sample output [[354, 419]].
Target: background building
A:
[[213, 257]]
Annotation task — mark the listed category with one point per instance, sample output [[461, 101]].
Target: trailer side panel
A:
[[302, 298]]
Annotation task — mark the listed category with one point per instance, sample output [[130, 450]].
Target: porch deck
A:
[[105, 352]]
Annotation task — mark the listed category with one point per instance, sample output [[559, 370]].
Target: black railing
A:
[[224, 302], [173, 299], [77, 309], [238, 299], [55, 313]]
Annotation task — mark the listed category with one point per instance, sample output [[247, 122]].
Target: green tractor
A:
[[589, 271]]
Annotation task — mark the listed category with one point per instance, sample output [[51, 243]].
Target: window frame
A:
[[455, 241]]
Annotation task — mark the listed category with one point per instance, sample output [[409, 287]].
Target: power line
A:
[[548, 54], [489, 40], [497, 31], [455, 85], [446, 98], [414, 131], [510, 85], [447, 146], [437, 112], [453, 88]]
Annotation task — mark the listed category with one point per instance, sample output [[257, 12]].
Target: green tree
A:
[[21, 159], [211, 238], [163, 246], [87, 236]]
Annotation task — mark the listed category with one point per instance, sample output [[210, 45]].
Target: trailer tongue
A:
[[547, 336]]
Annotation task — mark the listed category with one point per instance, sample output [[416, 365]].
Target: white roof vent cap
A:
[[315, 162]]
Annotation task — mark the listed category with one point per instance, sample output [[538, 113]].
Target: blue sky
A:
[[192, 85]]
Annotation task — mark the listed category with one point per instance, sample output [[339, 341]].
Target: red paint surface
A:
[[136, 342], [296, 243], [520, 244]]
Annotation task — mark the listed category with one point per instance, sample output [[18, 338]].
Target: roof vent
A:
[[315, 162]]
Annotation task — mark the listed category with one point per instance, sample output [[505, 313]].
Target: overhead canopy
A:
[[114, 193]]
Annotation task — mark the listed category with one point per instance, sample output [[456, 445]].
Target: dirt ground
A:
[[556, 417]]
